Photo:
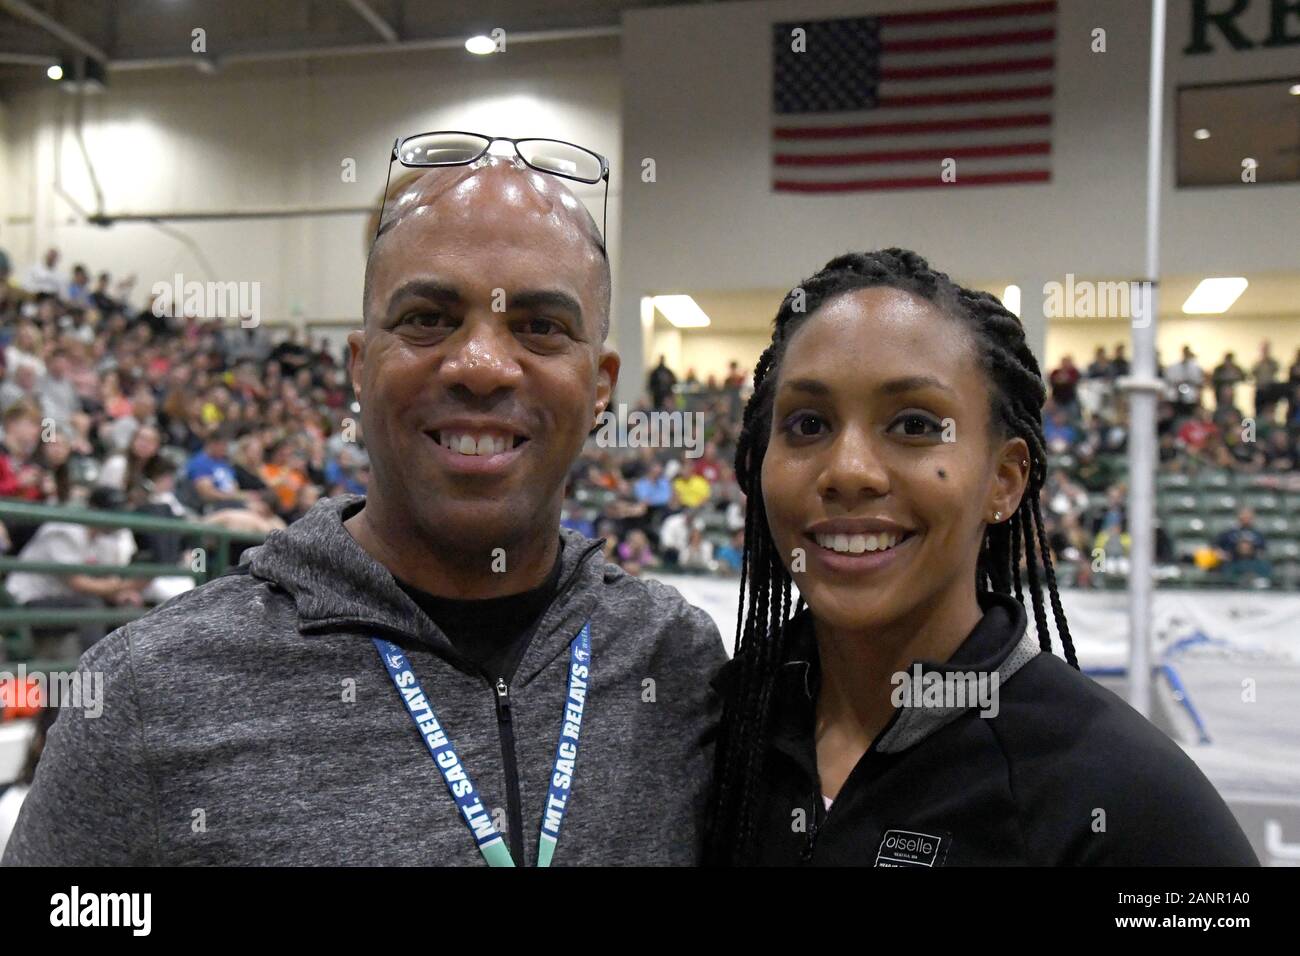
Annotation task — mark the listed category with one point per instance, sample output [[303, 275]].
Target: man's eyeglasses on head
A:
[[455, 148]]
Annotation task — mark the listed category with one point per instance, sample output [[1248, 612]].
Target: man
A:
[[44, 277], [212, 476], [1265, 374], [58, 396], [1243, 550], [1186, 379], [271, 717], [661, 383]]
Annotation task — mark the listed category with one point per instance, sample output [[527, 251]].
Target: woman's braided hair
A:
[[1016, 393]]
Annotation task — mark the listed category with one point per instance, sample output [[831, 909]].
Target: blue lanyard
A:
[[486, 836]]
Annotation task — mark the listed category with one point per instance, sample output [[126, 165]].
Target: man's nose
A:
[[481, 356], [854, 470]]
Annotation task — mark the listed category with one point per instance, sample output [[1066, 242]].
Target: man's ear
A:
[[356, 359], [606, 380], [1010, 479]]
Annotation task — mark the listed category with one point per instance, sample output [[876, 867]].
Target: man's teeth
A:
[[857, 543], [475, 443]]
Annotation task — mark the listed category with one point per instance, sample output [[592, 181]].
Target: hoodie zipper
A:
[[506, 728], [505, 721]]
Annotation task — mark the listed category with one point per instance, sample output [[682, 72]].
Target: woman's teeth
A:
[[856, 543], [474, 443]]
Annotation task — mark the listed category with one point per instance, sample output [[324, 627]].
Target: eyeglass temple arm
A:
[[383, 197]]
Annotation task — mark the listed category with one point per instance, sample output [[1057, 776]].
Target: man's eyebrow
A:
[[430, 289], [545, 298], [894, 386]]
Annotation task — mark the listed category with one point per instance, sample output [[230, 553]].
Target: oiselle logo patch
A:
[[910, 848]]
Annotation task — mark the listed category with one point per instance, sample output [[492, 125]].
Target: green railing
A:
[[16, 622]]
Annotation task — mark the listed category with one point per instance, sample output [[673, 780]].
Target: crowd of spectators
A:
[[1205, 442], [126, 407], [129, 407]]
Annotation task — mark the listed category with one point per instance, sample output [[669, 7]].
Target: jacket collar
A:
[[997, 644], [337, 585]]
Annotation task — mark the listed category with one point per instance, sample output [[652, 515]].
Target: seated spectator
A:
[[111, 396], [1243, 549], [125, 470], [71, 543], [654, 489], [20, 385], [709, 465], [635, 554], [284, 474], [78, 292], [698, 553], [25, 349], [674, 536], [58, 395], [1064, 382], [1062, 495], [1100, 366], [20, 477], [1060, 435], [1198, 432], [213, 476], [692, 490], [1280, 451], [731, 555]]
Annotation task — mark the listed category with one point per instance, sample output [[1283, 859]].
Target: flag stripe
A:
[[913, 182], [968, 13], [903, 155], [966, 69], [924, 126], [966, 96], [1015, 37]]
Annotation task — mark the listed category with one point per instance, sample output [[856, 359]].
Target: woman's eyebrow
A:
[[894, 386], [912, 383]]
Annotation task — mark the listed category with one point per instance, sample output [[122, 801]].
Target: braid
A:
[[1016, 391]]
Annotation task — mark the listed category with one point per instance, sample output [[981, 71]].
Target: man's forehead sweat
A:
[[464, 191]]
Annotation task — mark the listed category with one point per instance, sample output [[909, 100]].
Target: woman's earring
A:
[[997, 516]]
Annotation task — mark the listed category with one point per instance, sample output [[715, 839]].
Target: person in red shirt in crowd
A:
[[1197, 432], [19, 477], [1065, 384], [709, 465]]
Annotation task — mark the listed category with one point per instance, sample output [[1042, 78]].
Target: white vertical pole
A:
[[1143, 391]]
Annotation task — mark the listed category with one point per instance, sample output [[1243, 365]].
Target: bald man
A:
[[435, 673]]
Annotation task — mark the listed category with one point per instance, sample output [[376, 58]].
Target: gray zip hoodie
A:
[[251, 721]]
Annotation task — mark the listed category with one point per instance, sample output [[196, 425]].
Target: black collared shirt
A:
[[1061, 772]]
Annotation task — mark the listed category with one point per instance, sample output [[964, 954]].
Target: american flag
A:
[[879, 102]]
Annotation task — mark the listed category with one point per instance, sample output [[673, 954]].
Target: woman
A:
[[125, 470], [892, 455]]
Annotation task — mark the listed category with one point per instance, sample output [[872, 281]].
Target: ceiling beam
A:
[[359, 49], [367, 13], [25, 11]]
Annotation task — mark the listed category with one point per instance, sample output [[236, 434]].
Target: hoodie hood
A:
[[336, 585]]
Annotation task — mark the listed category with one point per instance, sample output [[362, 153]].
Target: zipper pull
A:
[[811, 841], [503, 696]]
